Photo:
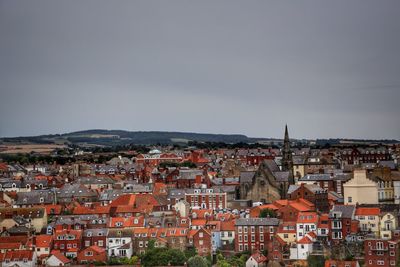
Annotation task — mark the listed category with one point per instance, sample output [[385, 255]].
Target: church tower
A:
[[287, 159]]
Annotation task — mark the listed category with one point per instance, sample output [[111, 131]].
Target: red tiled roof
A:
[[60, 256], [339, 263], [124, 200], [199, 222], [127, 222], [17, 255], [96, 249], [10, 246], [258, 257], [228, 225], [307, 217], [305, 240], [3, 167], [43, 241], [367, 211]]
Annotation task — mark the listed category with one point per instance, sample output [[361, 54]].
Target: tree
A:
[[267, 213], [197, 261], [163, 257], [316, 261]]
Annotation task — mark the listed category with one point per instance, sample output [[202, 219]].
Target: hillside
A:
[[120, 137]]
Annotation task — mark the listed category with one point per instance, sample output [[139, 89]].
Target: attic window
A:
[[41, 200]]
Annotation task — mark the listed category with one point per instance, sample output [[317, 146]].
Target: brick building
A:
[[210, 198], [380, 252], [253, 234], [311, 192]]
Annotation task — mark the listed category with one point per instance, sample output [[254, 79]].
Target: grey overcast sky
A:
[[326, 68]]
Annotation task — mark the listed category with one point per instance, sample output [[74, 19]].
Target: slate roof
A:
[[34, 197], [312, 187], [281, 176], [95, 180], [347, 211], [246, 176]]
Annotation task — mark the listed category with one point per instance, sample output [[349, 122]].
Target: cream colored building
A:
[[388, 223], [360, 189]]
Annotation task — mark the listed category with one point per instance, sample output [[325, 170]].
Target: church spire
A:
[[287, 159]]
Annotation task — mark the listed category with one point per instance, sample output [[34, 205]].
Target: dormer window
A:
[[13, 185], [41, 200], [28, 186]]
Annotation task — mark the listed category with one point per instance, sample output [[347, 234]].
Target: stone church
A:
[[269, 182]]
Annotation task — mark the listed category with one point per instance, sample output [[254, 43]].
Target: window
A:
[[380, 262], [337, 235], [240, 229], [87, 243], [88, 253], [240, 247], [350, 199]]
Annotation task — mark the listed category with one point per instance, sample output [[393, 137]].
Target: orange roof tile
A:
[[228, 225], [128, 199], [307, 217], [305, 240], [60, 256], [367, 211], [43, 241]]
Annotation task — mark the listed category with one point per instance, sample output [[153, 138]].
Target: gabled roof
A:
[[128, 199], [305, 240], [258, 257], [43, 241], [60, 256], [17, 255], [307, 217], [364, 211], [345, 211]]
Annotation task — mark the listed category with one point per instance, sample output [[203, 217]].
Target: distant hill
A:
[[99, 137], [120, 137]]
